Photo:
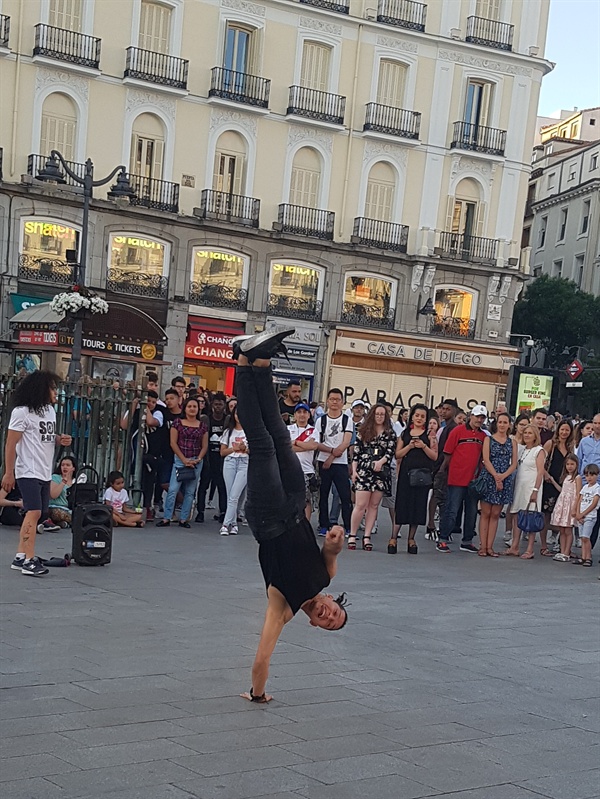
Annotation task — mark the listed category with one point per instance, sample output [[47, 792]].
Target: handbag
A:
[[185, 474], [478, 485], [530, 521], [420, 478]]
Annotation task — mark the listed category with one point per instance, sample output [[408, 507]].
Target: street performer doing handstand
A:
[[295, 569]]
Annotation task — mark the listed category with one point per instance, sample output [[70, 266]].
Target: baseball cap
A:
[[302, 406], [479, 410], [358, 402]]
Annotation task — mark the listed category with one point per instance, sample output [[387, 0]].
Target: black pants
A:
[[276, 489], [337, 474], [212, 470]]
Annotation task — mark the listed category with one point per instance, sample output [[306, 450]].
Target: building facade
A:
[[340, 165]]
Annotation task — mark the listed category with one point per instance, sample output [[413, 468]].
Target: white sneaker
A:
[[233, 530], [224, 530]]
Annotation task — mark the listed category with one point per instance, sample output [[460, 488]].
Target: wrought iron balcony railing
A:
[[224, 207], [65, 45], [46, 270], [341, 8], [219, 296], [166, 70], [153, 193], [305, 221], [471, 136], [239, 87], [295, 307], [452, 327], [36, 162], [374, 233], [463, 247], [314, 104], [141, 284], [4, 30], [490, 33], [402, 13], [356, 313], [394, 121]]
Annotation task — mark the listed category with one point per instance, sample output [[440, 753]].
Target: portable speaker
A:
[[92, 534]]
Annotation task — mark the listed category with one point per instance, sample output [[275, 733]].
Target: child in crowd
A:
[[587, 511], [117, 497], [563, 515]]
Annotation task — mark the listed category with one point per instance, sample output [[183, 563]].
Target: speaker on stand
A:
[[92, 534]]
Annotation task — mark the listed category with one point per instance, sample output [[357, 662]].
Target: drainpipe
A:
[[17, 85], [351, 128]]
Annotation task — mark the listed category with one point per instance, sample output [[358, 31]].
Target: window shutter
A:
[[391, 84], [315, 66], [228, 173], [157, 161], [488, 9], [484, 114], [254, 53], [379, 200], [304, 187], [155, 27], [452, 215], [135, 158], [65, 14], [480, 223], [58, 133]]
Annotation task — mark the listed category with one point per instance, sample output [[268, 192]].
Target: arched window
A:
[[59, 125], [392, 83], [466, 210], [155, 27], [295, 290], [381, 188], [147, 147], [369, 300], [455, 312], [305, 184], [219, 278], [229, 173], [138, 265]]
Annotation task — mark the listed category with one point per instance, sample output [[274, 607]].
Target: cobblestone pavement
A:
[[456, 677]]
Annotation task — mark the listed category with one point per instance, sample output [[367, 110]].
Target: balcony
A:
[[478, 138], [305, 221], [45, 270], [452, 327], [4, 30], [314, 104], [384, 235], [165, 70], [463, 247], [393, 121], [295, 307], [354, 313], [341, 8], [239, 87], [65, 45], [37, 162], [219, 296], [490, 33], [139, 284], [402, 14], [223, 207], [161, 195]]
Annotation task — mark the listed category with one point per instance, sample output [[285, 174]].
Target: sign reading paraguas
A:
[[434, 355]]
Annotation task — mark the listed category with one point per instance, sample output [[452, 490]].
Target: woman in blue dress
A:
[[500, 458]]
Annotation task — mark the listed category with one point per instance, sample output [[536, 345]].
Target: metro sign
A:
[[574, 369]]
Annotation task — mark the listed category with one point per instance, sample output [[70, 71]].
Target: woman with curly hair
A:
[[374, 451]]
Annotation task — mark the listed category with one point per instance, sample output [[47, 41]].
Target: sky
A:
[[573, 36]]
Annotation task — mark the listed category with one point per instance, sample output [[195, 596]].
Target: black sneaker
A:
[[34, 568], [266, 344], [468, 548], [442, 546], [47, 527], [219, 517], [199, 517], [17, 564], [236, 344]]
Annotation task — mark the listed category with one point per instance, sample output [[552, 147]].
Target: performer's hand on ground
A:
[[246, 695]]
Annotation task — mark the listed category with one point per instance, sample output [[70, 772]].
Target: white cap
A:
[[358, 402], [479, 410]]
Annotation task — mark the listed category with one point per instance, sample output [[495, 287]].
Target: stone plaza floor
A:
[[457, 677]]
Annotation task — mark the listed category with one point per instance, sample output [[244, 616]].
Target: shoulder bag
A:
[[185, 474]]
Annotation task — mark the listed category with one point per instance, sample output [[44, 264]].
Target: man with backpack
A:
[[332, 437]]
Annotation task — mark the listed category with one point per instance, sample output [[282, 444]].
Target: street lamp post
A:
[[51, 173]]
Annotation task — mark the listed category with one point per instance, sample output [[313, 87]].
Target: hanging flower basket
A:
[[79, 303]]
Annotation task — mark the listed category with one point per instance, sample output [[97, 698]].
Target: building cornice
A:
[[584, 188]]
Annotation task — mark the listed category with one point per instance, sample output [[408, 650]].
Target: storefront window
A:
[[49, 247], [219, 279], [369, 300], [295, 290], [454, 312], [137, 265]]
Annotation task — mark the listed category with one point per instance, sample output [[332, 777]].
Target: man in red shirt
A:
[[462, 457]]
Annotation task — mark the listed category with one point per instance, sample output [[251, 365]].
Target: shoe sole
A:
[[16, 568], [34, 574]]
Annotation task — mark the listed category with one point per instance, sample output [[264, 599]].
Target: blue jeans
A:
[[235, 474], [456, 496], [188, 490]]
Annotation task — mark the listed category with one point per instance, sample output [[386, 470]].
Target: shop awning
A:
[[38, 316]]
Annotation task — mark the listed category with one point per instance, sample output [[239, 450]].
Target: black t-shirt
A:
[[289, 409], [162, 443], [446, 430], [216, 428], [293, 564]]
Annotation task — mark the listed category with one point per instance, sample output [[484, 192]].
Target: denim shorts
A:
[[585, 529], [35, 493]]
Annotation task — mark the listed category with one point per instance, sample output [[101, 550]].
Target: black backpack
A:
[[323, 423]]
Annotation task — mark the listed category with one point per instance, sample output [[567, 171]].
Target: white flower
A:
[[73, 301]]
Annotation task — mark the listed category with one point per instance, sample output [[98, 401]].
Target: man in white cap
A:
[[462, 458]]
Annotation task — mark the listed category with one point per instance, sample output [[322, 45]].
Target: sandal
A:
[[392, 546], [492, 554], [482, 553], [366, 543], [545, 553], [352, 542], [586, 562], [527, 556], [411, 547]]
